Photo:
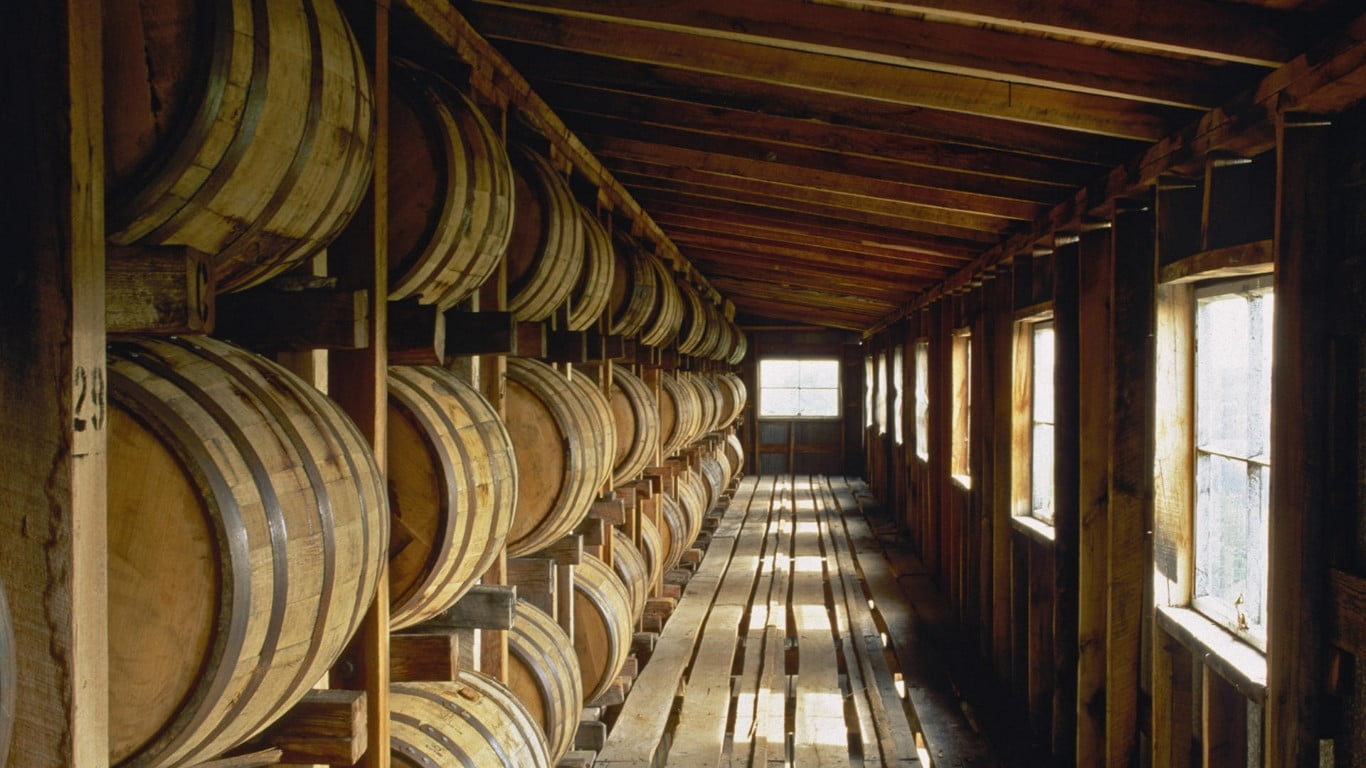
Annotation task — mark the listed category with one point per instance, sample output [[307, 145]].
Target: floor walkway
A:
[[794, 644]]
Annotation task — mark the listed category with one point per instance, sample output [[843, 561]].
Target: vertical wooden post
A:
[[493, 656], [1129, 580], [1094, 405], [1066, 516], [358, 379], [1002, 334], [1299, 443], [1172, 702], [53, 382]]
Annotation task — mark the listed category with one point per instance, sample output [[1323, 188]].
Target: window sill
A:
[[1243, 666], [963, 481], [1034, 528]]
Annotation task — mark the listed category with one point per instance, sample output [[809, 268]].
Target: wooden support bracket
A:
[[163, 290], [567, 347], [424, 655], [326, 727], [611, 511], [566, 551], [269, 318], [416, 333], [485, 606], [481, 333]]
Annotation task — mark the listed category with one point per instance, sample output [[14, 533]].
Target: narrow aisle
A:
[[777, 653]]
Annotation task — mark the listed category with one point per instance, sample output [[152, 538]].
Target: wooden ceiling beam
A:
[[682, 224], [849, 234], [757, 205], [877, 35], [739, 188], [713, 246], [901, 181], [780, 310], [848, 305], [869, 286], [833, 109], [568, 97], [819, 72], [1205, 28]]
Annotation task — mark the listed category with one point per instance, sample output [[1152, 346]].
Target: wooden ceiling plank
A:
[[851, 233], [568, 97], [912, 182], [1082, 112], [833, 109], [712, 246], [683, 229], [868, 287], [778, 310], [1205, 28], [876, 35], [750, 191], [757, 205]]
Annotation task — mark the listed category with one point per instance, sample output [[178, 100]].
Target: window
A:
[[962, 405], [1041, 420], [881, 390], [799, 388], [1232, 452], [898, 385], [922, 399], [868, 384]]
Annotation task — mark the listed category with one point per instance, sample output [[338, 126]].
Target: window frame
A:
[[1176, 483], [920, 398], [838, 388], [1024, 410], [899, 394], [960, 425]]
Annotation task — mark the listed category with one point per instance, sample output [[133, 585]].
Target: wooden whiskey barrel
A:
[[709, 397], [543, 672], [716, 477], [711, 333], [636, 415], [680, 414], [450, 214], [602, 424], [692, 497], [692, 325], [243, 129], [452, 490], [602, 625], [545, 252], [630, 566], [9, 675], [667, 313], [733, 397], [248, 526], [735, 455], [673, 531], [559, 465], [653, 550], [593, 290], [474, 721], [740, 347], [634, 288]]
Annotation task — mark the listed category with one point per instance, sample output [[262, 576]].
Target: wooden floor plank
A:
[[951, 740], [820, 735], [857, 691], [747, 693], [895, 735], [770, 739], [699, 738], [635, 738]]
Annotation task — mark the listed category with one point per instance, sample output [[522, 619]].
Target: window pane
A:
[[1222, 374], [1230, 536], [922, 399], [898, 384], [778, 401], [819, 373], [1043, 372], [880, 405], [818, 402], [1041, 473], [780, 373]]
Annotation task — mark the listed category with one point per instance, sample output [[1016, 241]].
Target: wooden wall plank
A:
[[1095, 270], [1300, 437], [1131, 481], [1002, 334], [1066, 504], [52, 351]]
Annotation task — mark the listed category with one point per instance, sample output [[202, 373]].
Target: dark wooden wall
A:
[[816, 446], [1064, 618]]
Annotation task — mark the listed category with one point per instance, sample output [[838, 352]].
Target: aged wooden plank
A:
[[158, 290], [748, 692], [999, 504], [895, 737], [1298, 542], [770, 737], [1095, 271], [325, 727], [52, 344], [1347, 612], [701, 732], [635, 738], [874, 34], [1084, 112], [1251, 258], [417, 656], [1223, 737], [359, 378], [1067, 507], [1172, 700]]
